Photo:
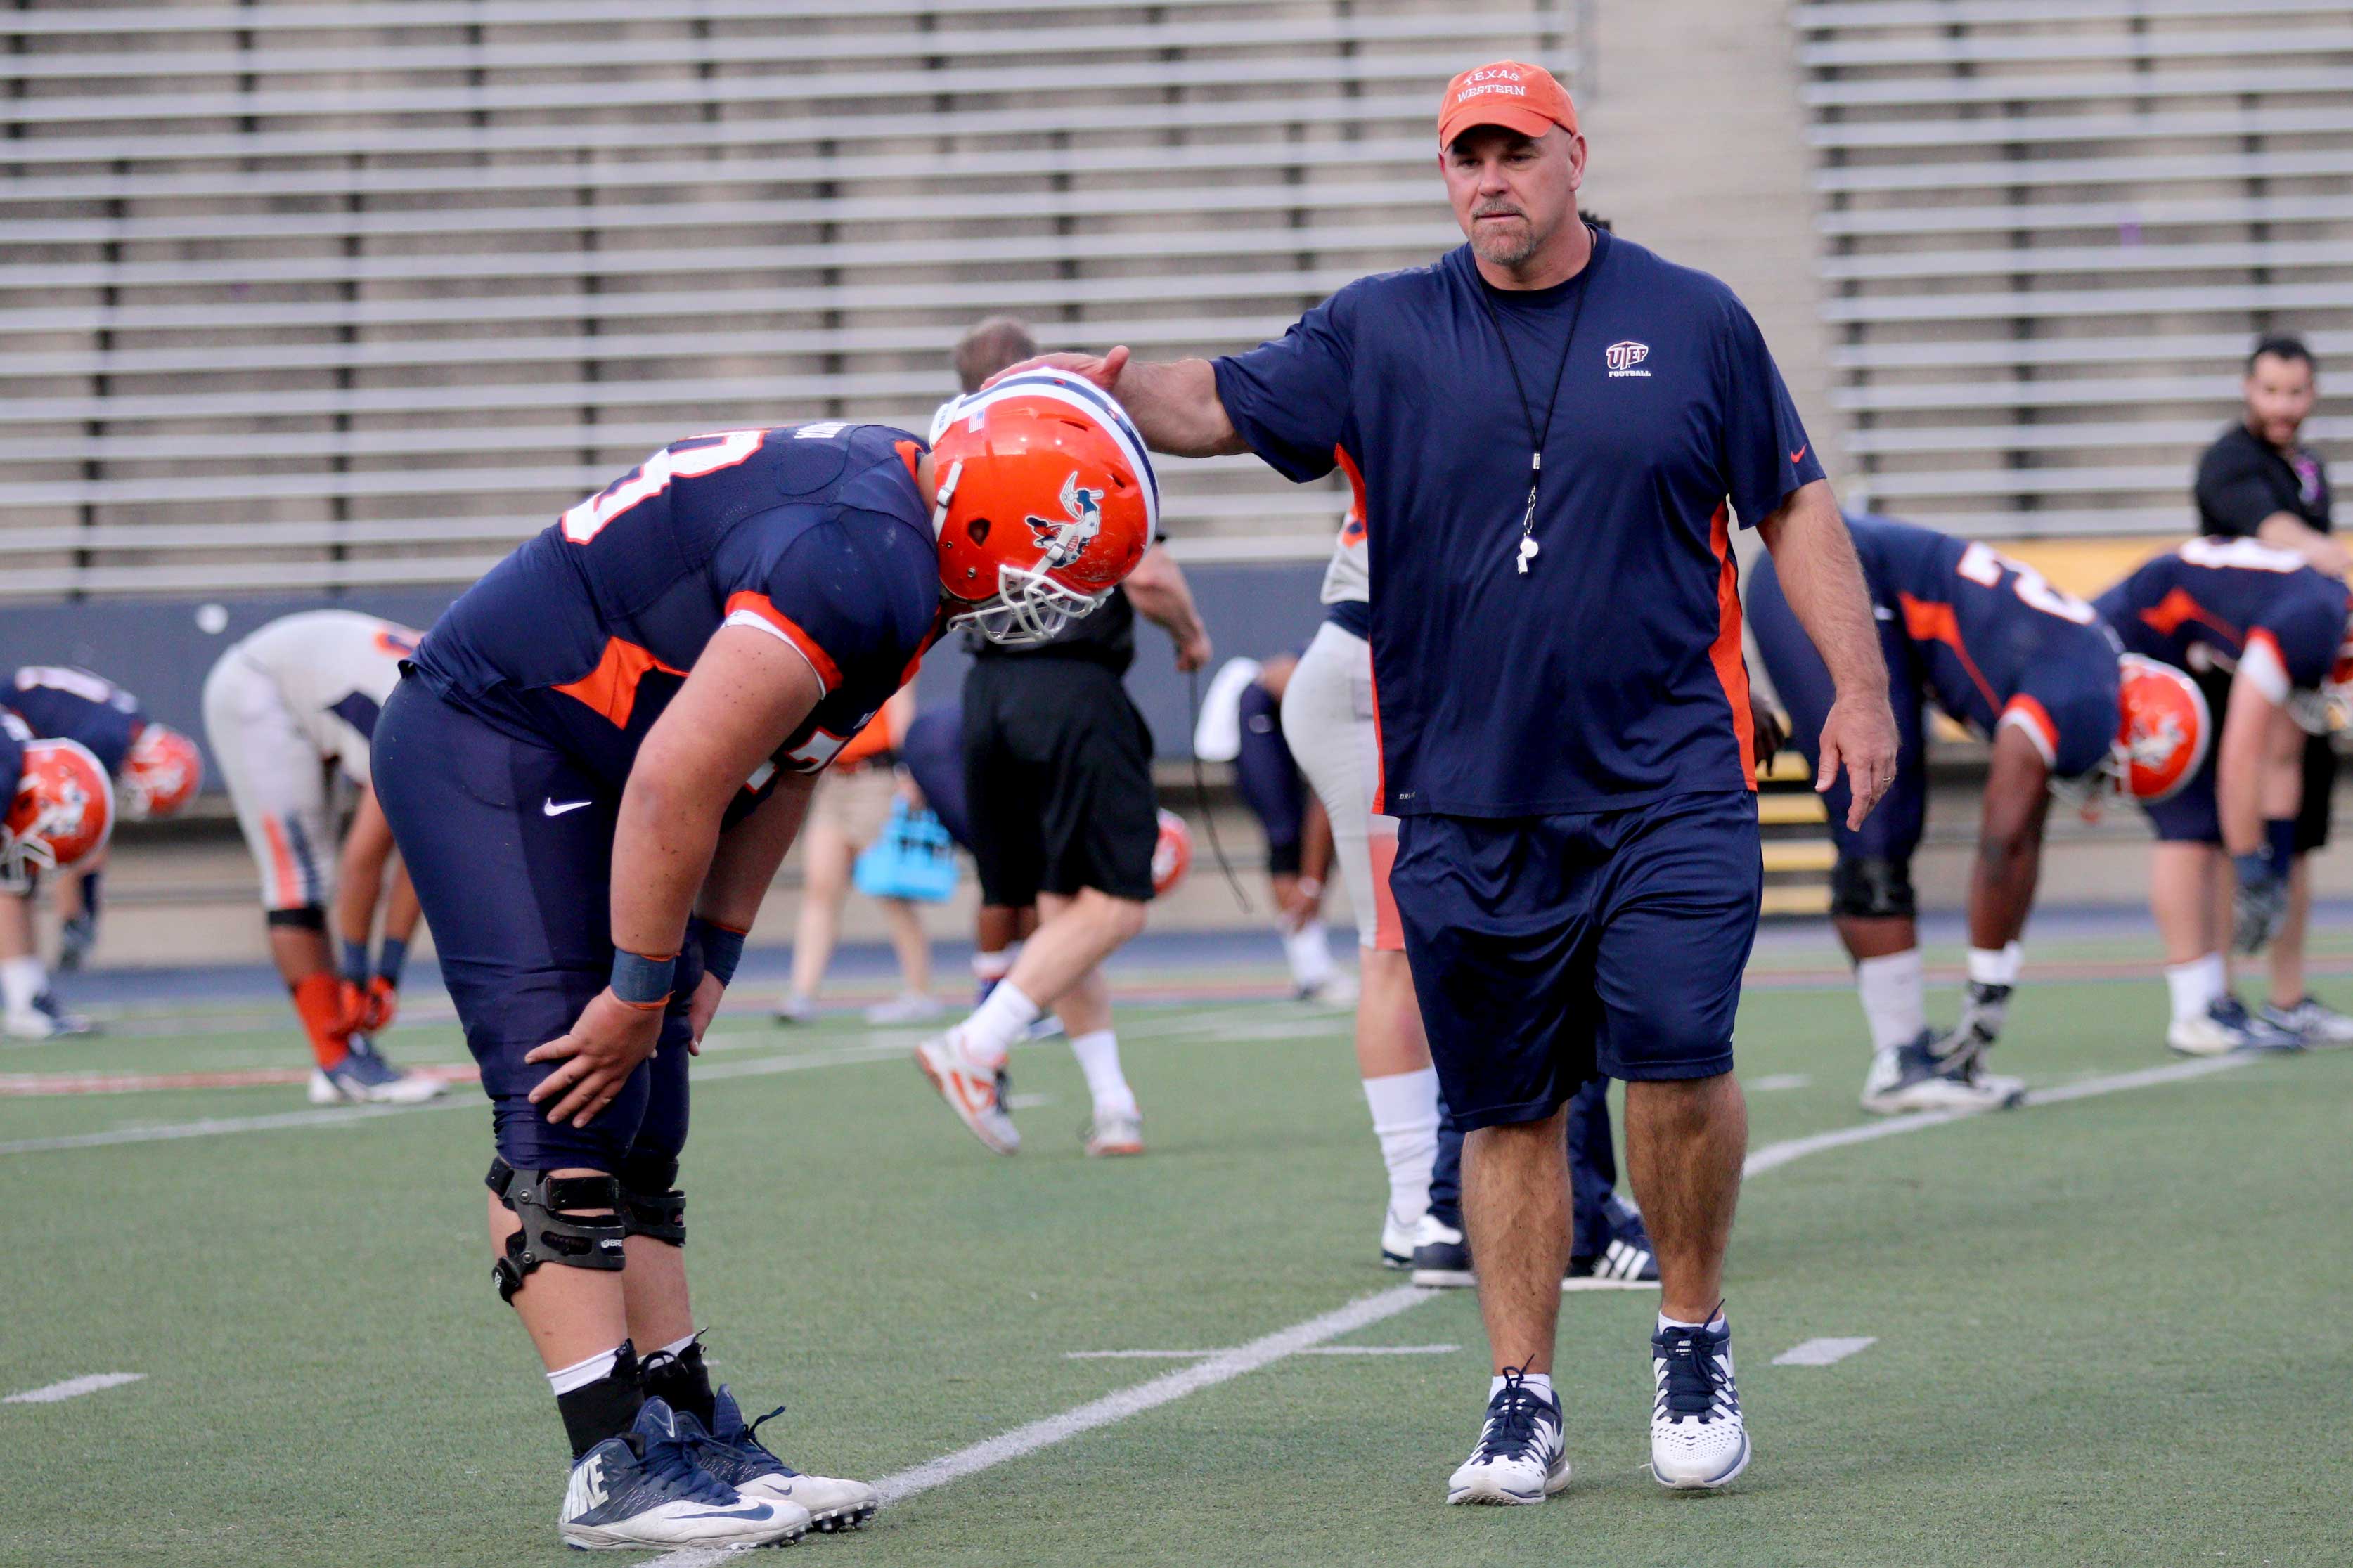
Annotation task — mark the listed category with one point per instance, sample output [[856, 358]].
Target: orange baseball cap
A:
[[1510, 93]]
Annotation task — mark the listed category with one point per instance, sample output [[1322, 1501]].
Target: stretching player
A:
[[298, 697], [57, 809], [603, 754], [1058, 783], [2028, 667], [154, 771], [2262, 631]]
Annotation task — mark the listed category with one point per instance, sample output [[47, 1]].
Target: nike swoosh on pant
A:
[[553, 808]]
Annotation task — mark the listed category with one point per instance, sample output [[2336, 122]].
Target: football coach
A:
[[1554, 431]]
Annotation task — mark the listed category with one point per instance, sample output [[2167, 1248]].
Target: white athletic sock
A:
[[1892, 1004], [996, 1023], [1714, 1325], [1539, 1381], [1996, 966], [2195, 985], [21, 980], [1309, 949], [1405, 1119], [995, 966], [1098, 1054], [580, 1374]]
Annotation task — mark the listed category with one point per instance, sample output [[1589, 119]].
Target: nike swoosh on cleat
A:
[[752, 1511], [555, 808]]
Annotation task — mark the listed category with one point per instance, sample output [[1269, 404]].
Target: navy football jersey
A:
[[813, 533], [2199, 607], [1607, 673], [62, 704], [13, 734], [1994, 643]]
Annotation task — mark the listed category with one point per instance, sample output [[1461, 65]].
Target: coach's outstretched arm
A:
[[747, 692], [1814, 556], [1175, 405]]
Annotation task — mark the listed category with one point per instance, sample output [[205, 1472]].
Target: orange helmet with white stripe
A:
[[160, 773], [1044, 500], [62, 813], [2164, 731]]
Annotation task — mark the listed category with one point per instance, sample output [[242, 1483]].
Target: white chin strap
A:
[[1030, 608], [943, 494]]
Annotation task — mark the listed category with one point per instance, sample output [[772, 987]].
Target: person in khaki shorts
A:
[[849, 811]]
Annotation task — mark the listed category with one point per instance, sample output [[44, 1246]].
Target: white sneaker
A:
[[1912, 1077], [1518, 1457], [1398, 1238], [45, 1020], [1115, 1133], [364, 1077], [2225, 1027], [1441, 1258], [907, 1007], [646, 1489], [797, 1008], [1337, 989], [975, 1093], [2320, 1027], [1697, 1438]]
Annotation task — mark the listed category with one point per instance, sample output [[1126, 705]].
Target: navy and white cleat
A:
[[1626, 1264], [364, 1077], [1441, 1258], [1697, 1437], [1518, 1458], [2227, 1026], [733, 1452], [646, 1489], [2319, 1027], [1913, 1077]]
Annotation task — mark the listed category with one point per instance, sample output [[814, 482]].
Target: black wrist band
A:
[[642, 982], [721, 949]]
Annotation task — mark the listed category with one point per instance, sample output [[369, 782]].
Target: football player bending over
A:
[[59, 811], [601, 755], [153, 771], [297, 697], [2262, 633], [2035, 671]]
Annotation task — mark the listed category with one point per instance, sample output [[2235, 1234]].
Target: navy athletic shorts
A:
[[1546, 949], [516, 893]]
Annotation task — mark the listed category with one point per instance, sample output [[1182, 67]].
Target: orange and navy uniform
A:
[[58, 702], [813, 533], [2203, 605]]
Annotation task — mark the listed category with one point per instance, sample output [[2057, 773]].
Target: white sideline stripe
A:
[[1773, 1156], [1824, 1351], [72, 1387], [1773, 1080], [1312, 1350], [1229, 1365], [1223, 1366]]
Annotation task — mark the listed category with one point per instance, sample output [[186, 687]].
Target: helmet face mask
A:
[[1029, 608]]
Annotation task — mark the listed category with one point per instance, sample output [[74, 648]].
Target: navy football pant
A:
[[1269, 781], [1592, 1166], [932, 750], [517, 895], [1892, 832]]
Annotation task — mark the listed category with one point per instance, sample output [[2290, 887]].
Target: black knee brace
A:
[[309, 916], [550, 1234], [1872, 888], [650, 1206]]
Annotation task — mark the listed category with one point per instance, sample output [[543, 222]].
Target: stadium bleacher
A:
[[311, 296], [2051, 230]]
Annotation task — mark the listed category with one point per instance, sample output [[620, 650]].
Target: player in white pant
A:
[[1327, 721], [294, 700]]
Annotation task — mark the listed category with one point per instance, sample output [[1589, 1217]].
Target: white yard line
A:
[[1304, 1338], [1823, 1351], [1312, 1350], [1772, 1081], [73, 1387]]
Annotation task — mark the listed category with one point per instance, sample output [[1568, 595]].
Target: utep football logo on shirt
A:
[[1066, 541], [1623, 357]]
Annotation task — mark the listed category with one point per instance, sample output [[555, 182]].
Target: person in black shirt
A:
[[1058, 780], [2258, 481]]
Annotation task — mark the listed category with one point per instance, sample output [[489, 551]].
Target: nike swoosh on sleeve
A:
[[1800, 455]]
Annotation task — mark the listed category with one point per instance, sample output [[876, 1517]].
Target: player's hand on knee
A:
[[1860, 735], [594, 1061], [1103, 371], [705, 1008]]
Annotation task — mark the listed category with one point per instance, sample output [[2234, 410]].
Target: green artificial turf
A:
[[2108, 1331]]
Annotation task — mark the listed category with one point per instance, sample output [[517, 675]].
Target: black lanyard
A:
[[1538, 434]]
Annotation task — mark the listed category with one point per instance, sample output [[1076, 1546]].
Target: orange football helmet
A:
[[160, 773], [2164, 731], [1172, 855], [62, 815], [1045, 499]]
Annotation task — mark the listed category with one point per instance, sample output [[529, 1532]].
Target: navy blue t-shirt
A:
[[1995, 642], [59, 702], [2200, 605], [1610, 674], [815, 532]]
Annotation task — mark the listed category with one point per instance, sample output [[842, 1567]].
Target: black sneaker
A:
[[1442, 1257]]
